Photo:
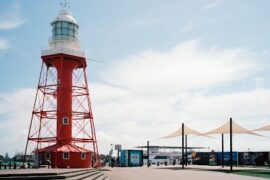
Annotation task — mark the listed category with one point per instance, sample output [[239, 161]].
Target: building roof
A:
[[170, 147], [63, 148], [65, 15]]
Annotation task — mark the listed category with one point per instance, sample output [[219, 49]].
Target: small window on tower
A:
[[47, 155], [66, 155], [83, 155], [65, 120]]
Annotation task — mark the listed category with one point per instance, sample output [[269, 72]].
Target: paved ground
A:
[[43, 173], [157, 173], [40, 170], [172, 173]]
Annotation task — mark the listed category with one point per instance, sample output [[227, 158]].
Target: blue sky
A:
[[112, 30], [165, 62]]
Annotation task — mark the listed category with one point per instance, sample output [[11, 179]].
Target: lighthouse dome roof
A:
[[65, 15]]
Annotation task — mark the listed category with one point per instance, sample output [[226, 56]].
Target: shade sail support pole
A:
[[231, 148], [183, 144], [186, 157], [148, 163], [222, 148]]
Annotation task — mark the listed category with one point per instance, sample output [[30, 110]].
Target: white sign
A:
[[118, 147]]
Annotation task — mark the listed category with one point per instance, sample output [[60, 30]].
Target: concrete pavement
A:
[[171, 173]]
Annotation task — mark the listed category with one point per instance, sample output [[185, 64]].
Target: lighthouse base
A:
[[65, 156]]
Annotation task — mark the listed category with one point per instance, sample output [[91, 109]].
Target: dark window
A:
[[65, 155], [161, 157], [47, 155], [65, 120], [83, 155]]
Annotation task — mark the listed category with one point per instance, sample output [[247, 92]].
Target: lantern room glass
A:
[[62, 30]]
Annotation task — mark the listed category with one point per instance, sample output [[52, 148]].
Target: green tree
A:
[[7, 158]]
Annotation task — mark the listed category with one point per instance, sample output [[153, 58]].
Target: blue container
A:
[[227, 158], [131, 158]]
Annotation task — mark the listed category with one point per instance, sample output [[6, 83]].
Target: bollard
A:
[[14, 166], [9, 165], [28, 164], [5, 166]]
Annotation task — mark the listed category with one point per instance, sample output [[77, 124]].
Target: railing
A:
[[15, 165], [63, 50]]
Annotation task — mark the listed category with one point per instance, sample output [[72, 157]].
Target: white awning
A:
[[187, 131], [236, 129], [265, 128]]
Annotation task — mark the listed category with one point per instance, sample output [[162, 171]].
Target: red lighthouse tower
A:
[[62, 128]]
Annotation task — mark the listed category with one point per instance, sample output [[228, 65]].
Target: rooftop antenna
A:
[[65, 4]]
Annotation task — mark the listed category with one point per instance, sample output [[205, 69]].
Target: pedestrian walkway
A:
[[174, 172], [42, 173]]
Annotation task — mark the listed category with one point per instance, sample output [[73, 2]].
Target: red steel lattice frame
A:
[[43, 126]]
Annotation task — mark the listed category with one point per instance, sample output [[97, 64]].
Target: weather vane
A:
[[65, 4]]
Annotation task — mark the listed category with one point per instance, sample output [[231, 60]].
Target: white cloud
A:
[[156, 91], [137, 121], [15, 113], [4, 44], [185, 67], [105, 141], [213, 4], [196, 21], [12, 23], [138, 23], [153, 92], [12, 18], [190, 26], [245, 107]]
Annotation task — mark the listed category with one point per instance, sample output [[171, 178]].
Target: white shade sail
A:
[[187, 131], [236, 129], [265, 128]]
